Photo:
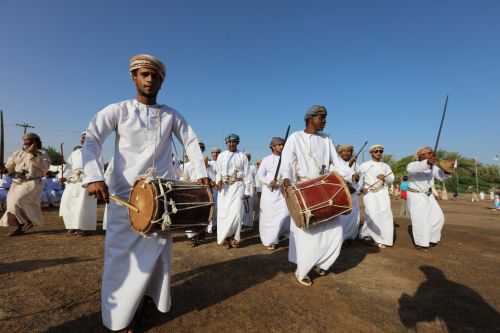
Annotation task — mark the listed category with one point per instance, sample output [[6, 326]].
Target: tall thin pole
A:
[[477, 180]]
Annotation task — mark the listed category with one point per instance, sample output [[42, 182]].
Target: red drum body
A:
[[167, 205], [318, 200]]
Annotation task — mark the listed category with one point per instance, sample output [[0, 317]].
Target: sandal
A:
[[16, 232], [319, 271], [27, 226], [306, 281]]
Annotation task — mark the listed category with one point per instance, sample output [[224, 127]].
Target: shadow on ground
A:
[[31, 265], [456, 307]]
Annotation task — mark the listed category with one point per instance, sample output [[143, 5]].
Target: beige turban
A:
[[372, 148], [422, 150], [341, 148], [147, 61]]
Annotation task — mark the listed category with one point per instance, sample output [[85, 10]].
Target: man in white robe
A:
[[427, 218], [136, 266], [274, 220], [232, 173], [27, 166], [375, 178], [308, 154], [350, 222], [78, 209], [249, 219]]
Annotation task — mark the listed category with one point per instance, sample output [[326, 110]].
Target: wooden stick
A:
[[125, 203]]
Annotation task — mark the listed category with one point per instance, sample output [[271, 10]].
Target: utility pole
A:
[[477, 180], [25, 126]]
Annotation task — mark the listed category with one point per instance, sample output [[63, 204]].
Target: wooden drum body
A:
[[318, 200], [167, 205]]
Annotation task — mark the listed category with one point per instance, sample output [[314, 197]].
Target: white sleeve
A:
[[389, 179], [186, 135], [265, 175], [68, 167], [288, 159], [218, 169], [417, 167], [247, 176], [439, 174], [103, 124]]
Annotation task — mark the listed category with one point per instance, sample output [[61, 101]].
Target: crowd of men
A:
[[138, 267]]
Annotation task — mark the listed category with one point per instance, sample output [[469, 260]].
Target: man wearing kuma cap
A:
[[309, 154], [136, 266], [375, 177]]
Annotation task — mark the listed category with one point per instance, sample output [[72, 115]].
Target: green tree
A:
[[54, 156]]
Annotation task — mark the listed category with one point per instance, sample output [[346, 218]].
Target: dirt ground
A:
[[50, 283]]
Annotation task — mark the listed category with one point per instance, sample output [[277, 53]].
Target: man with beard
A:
[[376, 176], [427, 218], [28, 166], [232, 173], [309, 154], [350, 222], [274, 220], [136, 266]]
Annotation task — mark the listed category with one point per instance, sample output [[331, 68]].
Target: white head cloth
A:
[[372, 148], [147, 61]]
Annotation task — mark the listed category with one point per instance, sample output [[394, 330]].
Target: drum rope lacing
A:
[[167, 187], [324, 204]]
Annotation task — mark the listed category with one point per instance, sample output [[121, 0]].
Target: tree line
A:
[[465, 174]]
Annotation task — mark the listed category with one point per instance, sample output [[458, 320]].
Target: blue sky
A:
[[381, 68]]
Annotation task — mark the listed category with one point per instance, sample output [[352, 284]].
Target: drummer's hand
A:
[[62, 180], [274, 185], [381, 177], [98, 190], [352, 161], [204, 181], [286, 184]]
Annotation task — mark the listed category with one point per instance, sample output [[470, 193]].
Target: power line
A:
[[25, 126]]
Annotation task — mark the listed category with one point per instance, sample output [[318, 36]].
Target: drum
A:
[[167, 205], [318, 200]]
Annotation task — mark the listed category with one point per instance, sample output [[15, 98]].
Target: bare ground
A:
[[50, 283]]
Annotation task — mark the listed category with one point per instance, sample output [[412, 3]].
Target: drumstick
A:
[[125, 203], [378, 181]]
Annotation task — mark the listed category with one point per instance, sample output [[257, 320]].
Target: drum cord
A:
[[324, 204], [166, 220]]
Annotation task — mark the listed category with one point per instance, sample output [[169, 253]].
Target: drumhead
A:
[[294, 208], [142, 196]]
